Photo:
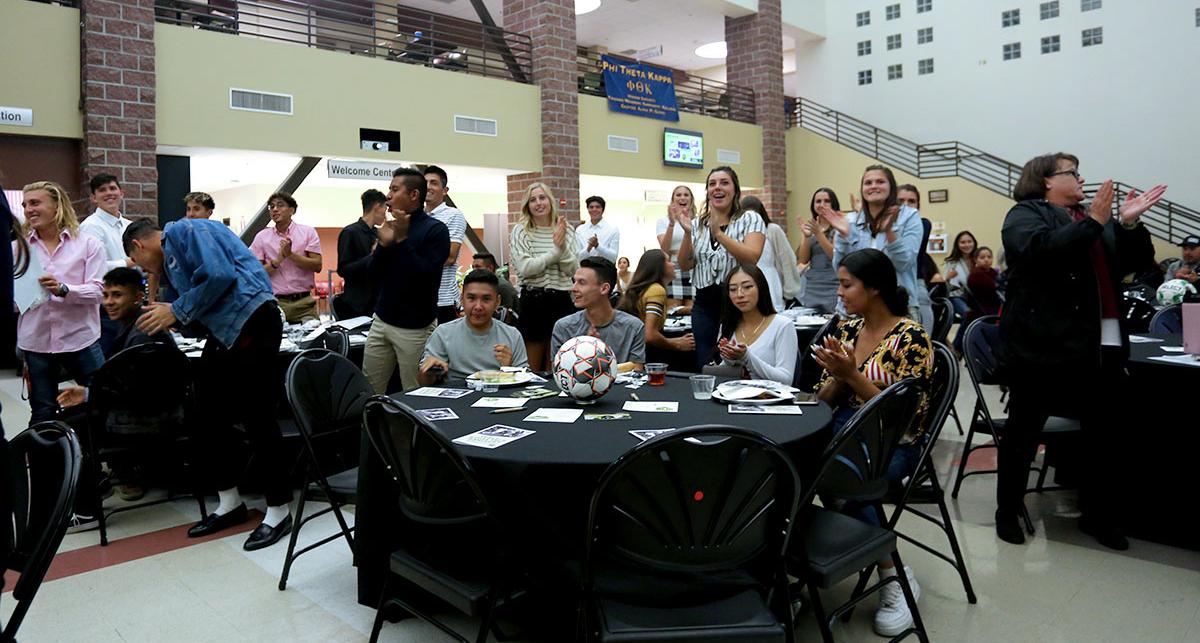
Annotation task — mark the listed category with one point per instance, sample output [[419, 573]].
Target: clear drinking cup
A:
[[702, 386]]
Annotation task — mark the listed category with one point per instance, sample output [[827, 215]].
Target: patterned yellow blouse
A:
[[904, 352]]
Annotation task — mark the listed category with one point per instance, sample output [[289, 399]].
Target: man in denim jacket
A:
[[224, 289]]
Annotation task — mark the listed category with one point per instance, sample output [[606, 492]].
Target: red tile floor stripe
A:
[[91, 558]]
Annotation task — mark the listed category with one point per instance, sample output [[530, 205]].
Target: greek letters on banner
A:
[[639, 89]]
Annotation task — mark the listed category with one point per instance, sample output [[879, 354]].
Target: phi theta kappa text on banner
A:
[[639, 89]]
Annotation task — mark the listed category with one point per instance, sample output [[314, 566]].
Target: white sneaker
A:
[[80, 523], [893, 615]]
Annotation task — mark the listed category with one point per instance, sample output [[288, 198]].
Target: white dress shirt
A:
[[107, 229], [608, 236]]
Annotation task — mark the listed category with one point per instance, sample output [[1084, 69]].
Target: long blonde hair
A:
[[691, 197], [527, 216], [64, 217]]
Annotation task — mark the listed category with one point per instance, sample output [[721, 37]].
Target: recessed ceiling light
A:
[[586, 6], [711, 50]]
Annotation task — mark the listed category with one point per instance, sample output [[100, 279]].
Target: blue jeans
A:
[[44, 369], [960, 305], [706, 323], [903, 464]]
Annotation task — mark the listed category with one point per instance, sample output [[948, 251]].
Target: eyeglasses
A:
[[1073, 173]]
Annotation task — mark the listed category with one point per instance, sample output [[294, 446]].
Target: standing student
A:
[[778, 261], [597, 237], [355, 243], [1063, 345], [291, 254], [725, 236], [198, 205], [435, 204], [106, 224], [407, 265], [544, 253], [64, 331], [19, 263], [816, 251], [670, 237], [224, 290], [908, 194]]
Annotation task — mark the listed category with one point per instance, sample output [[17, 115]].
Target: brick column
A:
[[755, 60], [551, 26], [117, 69]]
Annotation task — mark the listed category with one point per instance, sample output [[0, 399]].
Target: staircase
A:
[[1166, 220]]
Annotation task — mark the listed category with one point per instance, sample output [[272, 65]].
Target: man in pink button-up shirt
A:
[[291, 253]]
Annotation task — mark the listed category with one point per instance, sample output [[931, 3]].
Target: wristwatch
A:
[[63, 290]]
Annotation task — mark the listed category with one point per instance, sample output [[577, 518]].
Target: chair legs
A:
[[960, 564], [957, 422], [918, 625], [290, 556], [298, 523]]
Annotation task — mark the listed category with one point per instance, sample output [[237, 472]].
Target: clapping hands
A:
[[835, 357]]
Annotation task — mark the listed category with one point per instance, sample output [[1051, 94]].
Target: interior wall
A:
[[39, 50]]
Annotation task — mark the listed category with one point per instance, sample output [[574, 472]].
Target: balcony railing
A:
[[692, 93], [365, 28], [1167, 220]]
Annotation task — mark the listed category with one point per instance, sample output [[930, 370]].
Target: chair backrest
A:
[[938, 289], [700, 499], [437, 485], [1138, 314], [979, 351], [855, 463], [327, 394], [335, 339], [808, 371], [943, 319], [147, 381], [1167, 321], [44, 464], [943, 390]]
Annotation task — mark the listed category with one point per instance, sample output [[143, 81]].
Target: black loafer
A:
[[265, 536], [214, 523]]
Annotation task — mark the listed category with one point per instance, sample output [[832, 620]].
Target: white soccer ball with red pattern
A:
[[585, 368]]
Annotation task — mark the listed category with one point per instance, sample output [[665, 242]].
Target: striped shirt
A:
[[538, 261], [713, 264], [456, 223]]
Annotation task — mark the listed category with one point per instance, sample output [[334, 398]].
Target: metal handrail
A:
[[1167, 220], [390, 31], [694, 94]]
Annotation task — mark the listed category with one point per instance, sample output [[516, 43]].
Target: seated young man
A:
[[476, 341], [591, 292]]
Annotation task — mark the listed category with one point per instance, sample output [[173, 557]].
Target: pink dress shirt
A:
[[290, 279], [71, 323]]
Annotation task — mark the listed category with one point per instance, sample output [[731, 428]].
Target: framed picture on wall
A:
[[936, 245], [939, 196]]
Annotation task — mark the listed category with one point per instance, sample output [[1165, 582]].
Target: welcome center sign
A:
[[639, 89]]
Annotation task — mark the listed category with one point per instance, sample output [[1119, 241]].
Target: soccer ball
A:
[[1173, 291], [585, 368]]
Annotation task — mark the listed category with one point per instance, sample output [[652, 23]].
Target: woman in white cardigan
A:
[[752, 336]]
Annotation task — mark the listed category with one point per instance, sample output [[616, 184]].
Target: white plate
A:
[[522, 377], [744, 391]]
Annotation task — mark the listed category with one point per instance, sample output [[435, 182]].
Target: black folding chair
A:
[[943, 319], [334, 307], [327, 394], [1167, 321], [148, 385], [1138, 314], [455, 549], [44, 464], [829, 546], [335, 339], [809, 371], [686, 538]]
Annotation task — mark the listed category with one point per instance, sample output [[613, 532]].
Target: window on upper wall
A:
[[895, 72], [924, 35], [1012, 51], [863, 18], [925, 67], [892, 12], [1010, 18], [1089, 5], [1049, 10], [924, 5], [864, 48], [893, 41], [864, 77], [1051, 44], [1093, 36], [1198, 16]]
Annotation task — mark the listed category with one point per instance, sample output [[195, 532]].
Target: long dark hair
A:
[[16, 232], [754, 204], [868, 219], [833, 201], [730, 315], [955, 253], [876, 271], [735, 210], [651, 269]]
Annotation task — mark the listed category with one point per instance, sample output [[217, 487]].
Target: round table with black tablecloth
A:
[[541, 485]]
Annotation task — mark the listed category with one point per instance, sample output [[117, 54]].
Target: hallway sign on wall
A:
[[17, 116], [639, 89], [360, 170]]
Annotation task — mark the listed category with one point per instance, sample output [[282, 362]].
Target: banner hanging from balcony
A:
[[639, 89]]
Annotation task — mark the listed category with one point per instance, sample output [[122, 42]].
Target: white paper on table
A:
[[499, 402], [353, 322], [494, 436], [434, 415], [194, 353], [287, 346], [358, 340], [646, 434], [1185, 360], [27, 292], [1142, 339], [565, 416], [436, 391], [652, 407], [317, 332], [777, 409], [1172, 349]]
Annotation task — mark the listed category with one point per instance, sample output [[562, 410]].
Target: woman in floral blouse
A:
[[863, 357]]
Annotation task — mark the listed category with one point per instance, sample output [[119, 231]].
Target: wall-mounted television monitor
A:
[[682, 148]]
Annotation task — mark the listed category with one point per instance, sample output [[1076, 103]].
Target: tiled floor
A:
[[1060, 586]]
